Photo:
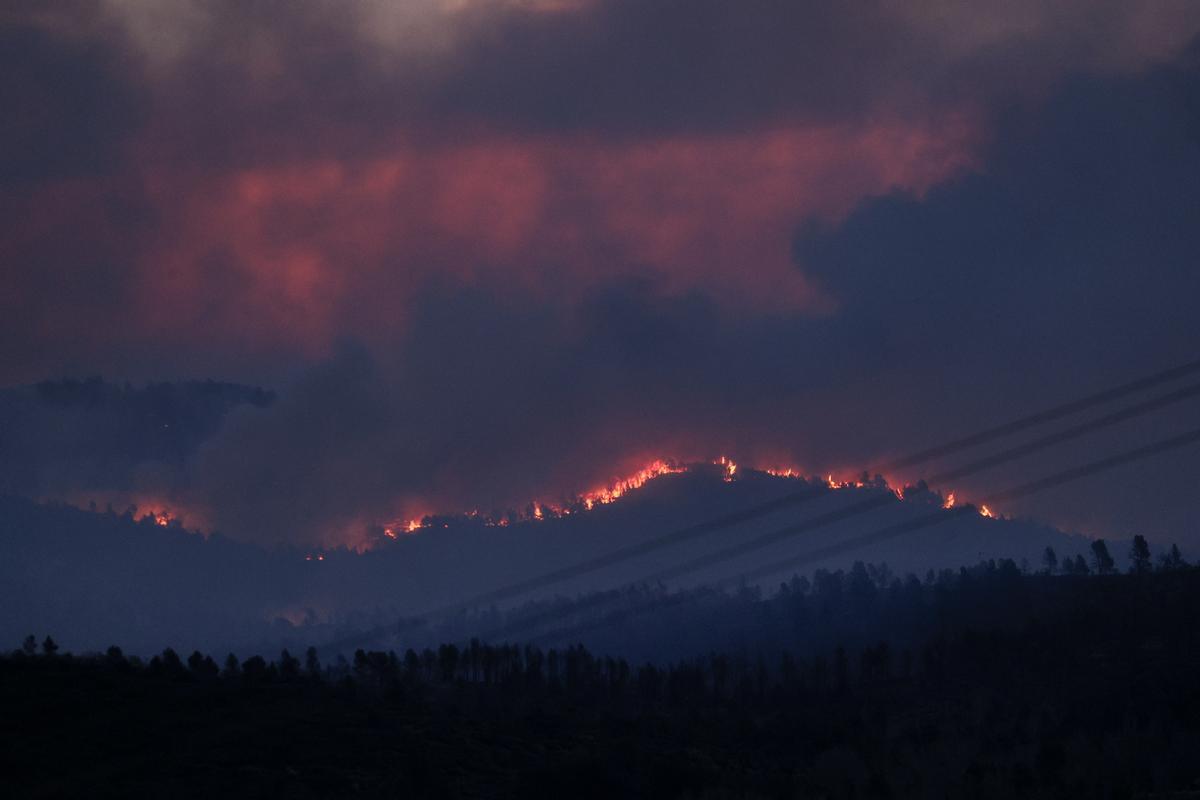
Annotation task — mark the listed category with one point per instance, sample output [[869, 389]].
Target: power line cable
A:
[[909, 526], [811, 492], [1048, 415]]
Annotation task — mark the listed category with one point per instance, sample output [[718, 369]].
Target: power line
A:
[[838, 548], [1049, 415], [759, 542], [796, 498], [910, 526], [1121, 415]]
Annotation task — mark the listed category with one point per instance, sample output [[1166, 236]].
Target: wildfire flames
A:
[[540, 510], [730, 468], [607, 494], [784, 473], [157, 513]]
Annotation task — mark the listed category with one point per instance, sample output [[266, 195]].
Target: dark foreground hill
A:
[[1007, 685]]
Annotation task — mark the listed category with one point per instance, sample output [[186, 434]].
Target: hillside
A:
[[94, 578]]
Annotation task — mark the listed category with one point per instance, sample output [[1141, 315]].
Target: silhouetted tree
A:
[[1081, 567], [49, 646], [312, 664], [254, 668], [202, 666], [1101, 558], [1139, 555], [29, 646], [1172, 559], [289, 666], [1050, 560], [232, 667], [412, 664], [362, 665], [172, 664], [447, 662]]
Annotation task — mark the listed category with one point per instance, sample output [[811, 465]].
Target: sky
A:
[[491, 251]]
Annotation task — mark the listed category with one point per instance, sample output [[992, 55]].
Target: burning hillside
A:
[[168, 512], [539, 510]]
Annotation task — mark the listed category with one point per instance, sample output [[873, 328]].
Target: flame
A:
[[730, 468], [152, 508], [836, 484], [541, 510], [782, 473], [317, 557], [160, 516], [614, 491]]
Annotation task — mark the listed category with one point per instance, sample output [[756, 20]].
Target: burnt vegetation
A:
[[1071, 681]]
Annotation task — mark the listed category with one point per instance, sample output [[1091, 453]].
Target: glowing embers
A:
[[540, 510], [857, 484], [317, 557], [604, 495], [783, 473], [607, 494], [730, 468], [163, 517]]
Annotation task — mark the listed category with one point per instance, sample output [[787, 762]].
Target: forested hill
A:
[[986, 684], [96, 578]]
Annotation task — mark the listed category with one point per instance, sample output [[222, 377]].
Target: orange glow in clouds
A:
[[323, 248]]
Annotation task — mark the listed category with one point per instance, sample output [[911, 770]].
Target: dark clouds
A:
[[251, 84], [1080, 227], [1067, 264], [1068, 261], [69, 109], [511, 249]]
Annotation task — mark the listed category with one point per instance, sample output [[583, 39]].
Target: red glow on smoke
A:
[[294, 255]]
